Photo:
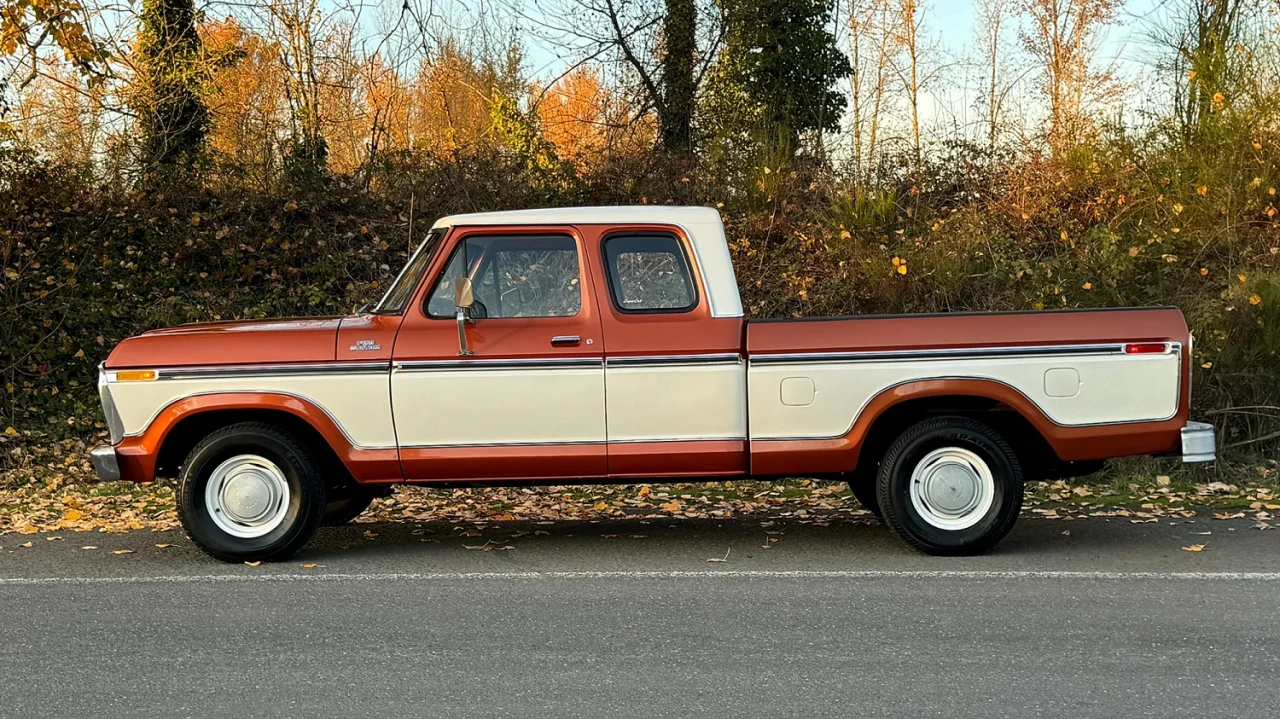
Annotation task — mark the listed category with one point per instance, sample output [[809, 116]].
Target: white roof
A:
[[701, 224]]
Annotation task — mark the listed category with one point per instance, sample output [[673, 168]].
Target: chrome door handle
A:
[[565, 340]]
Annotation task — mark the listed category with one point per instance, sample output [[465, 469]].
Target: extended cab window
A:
[[513, 277], [649, 273]]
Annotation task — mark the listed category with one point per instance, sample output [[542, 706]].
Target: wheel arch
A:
[[182, 424], [996, 404]]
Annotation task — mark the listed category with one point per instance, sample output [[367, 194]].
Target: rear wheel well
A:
[[1036, 456], [188, 432]]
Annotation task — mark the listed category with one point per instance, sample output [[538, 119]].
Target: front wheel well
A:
[[1035, 454], [189, 430]]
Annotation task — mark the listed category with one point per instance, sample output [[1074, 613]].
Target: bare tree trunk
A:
[[908, 36], [678, 84], [991, 16]]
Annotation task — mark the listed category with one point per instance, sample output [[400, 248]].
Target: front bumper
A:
[[105, 463], [1199, 442]]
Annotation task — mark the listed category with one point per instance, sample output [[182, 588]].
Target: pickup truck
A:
[[608, 345]]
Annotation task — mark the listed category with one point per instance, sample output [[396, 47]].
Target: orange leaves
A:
[[573, 114], [1254, 299], [900, 265]]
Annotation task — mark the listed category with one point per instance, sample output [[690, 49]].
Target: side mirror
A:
[[462, 300], [462, 295]]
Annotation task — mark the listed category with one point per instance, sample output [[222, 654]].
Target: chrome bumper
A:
[[1199, 444], [103, 459]]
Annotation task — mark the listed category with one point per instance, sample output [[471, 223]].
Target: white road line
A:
[[747, 574]]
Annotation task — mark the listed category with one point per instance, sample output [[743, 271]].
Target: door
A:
[[529, 402], [675, 378]]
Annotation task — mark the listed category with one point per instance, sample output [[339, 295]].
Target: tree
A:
[[26, 25], [664, 49], [1208, 66], [1062, 39], [787, 63], [166, 92], [991, 26], [909, 19], [679, 83]]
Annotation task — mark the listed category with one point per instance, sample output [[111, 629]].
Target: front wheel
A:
[[950, 486], [250, 492]]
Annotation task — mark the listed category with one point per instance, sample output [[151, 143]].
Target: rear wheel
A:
[[950, 486], [250, 492]]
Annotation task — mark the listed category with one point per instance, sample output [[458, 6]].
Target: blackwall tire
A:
[[250, 492], [950, 486]]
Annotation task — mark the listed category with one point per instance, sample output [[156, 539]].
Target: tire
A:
[[349, 505], [976, 481], [250, 492], [864, 490]]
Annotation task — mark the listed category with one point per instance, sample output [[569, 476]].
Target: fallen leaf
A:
[[310, 565], [163, 546], [123, 551], [71, 515], [370, 534], [1226, 515], [1194, 548], [1162, 480], [644, 491], [53, 539], [27, 545], [89, 547], [725, 558], [1262, 525], [670, 507], [252, 564]]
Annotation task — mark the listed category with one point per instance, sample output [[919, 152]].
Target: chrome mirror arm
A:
[[463, 350]]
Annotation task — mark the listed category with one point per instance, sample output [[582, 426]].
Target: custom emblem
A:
[[365, 346]]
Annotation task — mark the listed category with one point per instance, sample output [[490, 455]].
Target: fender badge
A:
[[365, 346]]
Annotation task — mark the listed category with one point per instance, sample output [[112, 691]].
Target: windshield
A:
[[397, 296]]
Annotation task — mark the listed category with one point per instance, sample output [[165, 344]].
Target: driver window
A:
[[513, 277]]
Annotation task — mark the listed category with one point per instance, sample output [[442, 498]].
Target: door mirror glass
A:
[[462, 296]]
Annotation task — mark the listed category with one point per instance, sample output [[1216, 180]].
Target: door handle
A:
[[565, 340]]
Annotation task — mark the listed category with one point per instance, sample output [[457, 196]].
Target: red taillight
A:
[[1146, 348]]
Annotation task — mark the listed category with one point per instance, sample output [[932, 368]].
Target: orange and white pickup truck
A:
[[590, 345]]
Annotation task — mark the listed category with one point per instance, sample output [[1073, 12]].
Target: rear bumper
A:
[[105, 463], [1199, 442]]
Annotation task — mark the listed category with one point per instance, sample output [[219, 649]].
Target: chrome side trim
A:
[[674, 360], [496, 364], [269, 370], [946, 353], [472, 445], [662, 440]]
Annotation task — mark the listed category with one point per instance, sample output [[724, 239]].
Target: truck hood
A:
[[304, 339]]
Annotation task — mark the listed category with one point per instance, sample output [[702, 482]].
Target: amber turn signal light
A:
[[135, 375]]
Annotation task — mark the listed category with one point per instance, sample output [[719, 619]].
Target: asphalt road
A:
[[630, 619]]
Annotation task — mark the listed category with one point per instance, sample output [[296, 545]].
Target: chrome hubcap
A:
[[247, 496], [952, 488]]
